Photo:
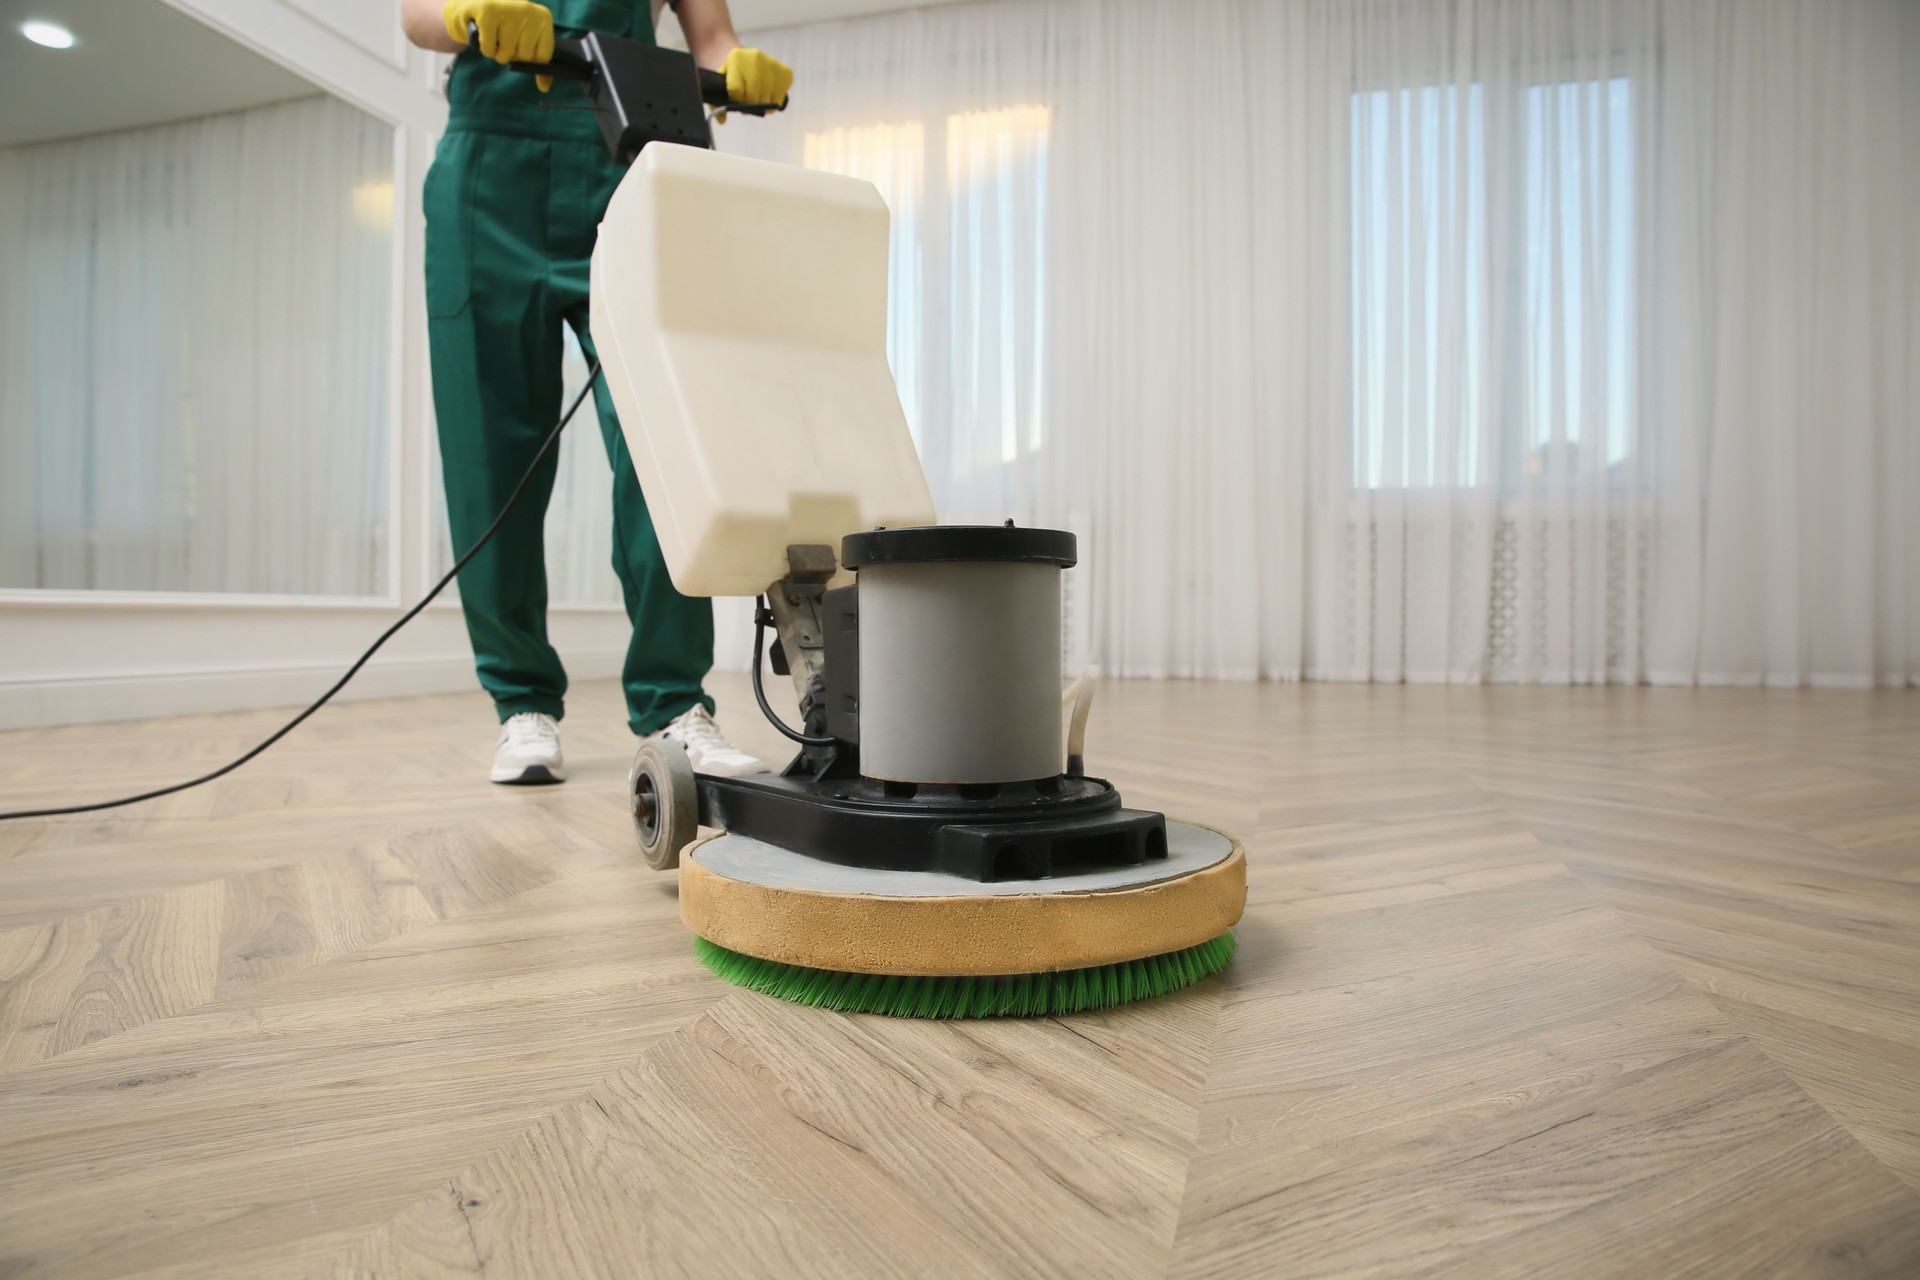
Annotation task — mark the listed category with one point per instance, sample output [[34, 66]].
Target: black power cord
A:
[[760, 616], [593, 372]]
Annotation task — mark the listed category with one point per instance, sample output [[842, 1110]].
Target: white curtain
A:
[[1546, 340], [194, 355]]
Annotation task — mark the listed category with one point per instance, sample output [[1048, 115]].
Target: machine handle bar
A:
[[572, 61]]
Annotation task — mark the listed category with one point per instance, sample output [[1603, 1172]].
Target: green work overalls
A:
[[513, 202]]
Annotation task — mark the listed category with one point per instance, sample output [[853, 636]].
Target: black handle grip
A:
[[713, 92], [569, 62]]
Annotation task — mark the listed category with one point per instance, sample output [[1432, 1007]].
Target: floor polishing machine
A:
[[934, 847]]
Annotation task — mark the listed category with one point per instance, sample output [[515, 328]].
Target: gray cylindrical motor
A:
[[960, 652]]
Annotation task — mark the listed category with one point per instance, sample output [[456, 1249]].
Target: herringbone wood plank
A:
[[1532, 981]]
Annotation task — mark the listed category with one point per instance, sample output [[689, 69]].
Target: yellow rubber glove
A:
[[755, 78], [510, 30]]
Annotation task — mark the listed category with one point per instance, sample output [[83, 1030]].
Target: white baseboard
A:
[[87, 660], [136, 695]]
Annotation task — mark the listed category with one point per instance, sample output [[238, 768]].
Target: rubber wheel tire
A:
[[664, 801]]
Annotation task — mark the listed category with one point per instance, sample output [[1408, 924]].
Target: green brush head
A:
[[1021, 995]]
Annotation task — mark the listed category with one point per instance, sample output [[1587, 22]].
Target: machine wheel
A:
[[664, 801]]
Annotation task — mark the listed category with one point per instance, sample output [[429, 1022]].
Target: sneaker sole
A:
[[534, 775], [755, 772]]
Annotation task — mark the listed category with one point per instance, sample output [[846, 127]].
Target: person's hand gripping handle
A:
[[757, 82], [504, 30]]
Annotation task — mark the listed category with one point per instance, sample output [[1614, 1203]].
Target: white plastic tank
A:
[[740, 312]]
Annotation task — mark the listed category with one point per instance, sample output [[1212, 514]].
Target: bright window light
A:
[[373, 204], [996, 227], [48, 34], [893, 157], [1427, 201], [990, 245]]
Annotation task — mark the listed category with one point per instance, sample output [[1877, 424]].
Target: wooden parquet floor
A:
[[1532, 982]]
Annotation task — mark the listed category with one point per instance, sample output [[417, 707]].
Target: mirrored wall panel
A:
[[195, 316]]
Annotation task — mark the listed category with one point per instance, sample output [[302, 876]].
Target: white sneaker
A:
[[529, 750], [707, 747]]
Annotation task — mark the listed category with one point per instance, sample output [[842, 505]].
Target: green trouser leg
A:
[[671, 648], [510, 223], [495, 343]]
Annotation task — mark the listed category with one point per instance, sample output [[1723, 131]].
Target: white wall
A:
[[75, 656]]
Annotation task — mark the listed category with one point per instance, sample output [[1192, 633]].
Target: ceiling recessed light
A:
[[48, 34]]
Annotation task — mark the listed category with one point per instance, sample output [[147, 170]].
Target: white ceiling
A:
[[133, 62], [754, 15], [138, 62], [750, 16]]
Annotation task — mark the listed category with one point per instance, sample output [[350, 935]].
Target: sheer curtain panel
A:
[[1542, 340]]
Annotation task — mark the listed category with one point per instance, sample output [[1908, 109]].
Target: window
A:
[[893, 158], [1579, 278], [966, 293], [1419, 253], [997, 223], [1492, 283]]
